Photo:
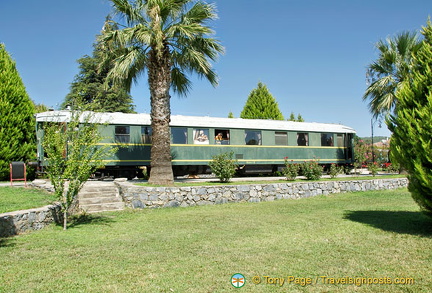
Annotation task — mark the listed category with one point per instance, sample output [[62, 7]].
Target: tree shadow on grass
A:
[[88, 219], [404, 222], [7, 242]]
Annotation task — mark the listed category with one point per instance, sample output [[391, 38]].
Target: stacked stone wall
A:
[[152, 197], [14, 223]]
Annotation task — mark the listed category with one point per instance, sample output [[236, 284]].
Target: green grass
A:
[[20, 198], [371, 234]]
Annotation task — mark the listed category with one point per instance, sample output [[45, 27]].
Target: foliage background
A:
[[261, 105], [17, 124], [412, 125]]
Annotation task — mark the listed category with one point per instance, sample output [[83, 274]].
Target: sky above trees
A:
[[312, 55]]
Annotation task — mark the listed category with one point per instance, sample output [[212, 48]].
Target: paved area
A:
[[209, 178], [14, 184]]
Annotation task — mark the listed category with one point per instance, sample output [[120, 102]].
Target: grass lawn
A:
[[21, 198], [378, 235]]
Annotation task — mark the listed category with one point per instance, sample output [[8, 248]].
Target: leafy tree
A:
[[17, 125], [39, 108], [168, 39], [72, 155], [412, 125], [89, 86], [386, 74], [230, 115], [261, 105]]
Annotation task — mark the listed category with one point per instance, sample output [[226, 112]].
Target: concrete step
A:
[[103, 193], [98, 188], [103, 207], [96, 196], [98, 200]]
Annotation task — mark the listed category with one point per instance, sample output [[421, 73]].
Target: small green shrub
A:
[[312, 170], [291, 169], [393, 168], [335, 170], [224, 166], [373, 168]]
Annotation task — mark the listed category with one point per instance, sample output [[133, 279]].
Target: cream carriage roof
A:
[[198, 122]]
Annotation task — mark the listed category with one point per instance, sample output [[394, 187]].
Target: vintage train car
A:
[[259, 146]]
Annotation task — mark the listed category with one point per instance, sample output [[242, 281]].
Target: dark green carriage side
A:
[[257, 144], [135, 151]]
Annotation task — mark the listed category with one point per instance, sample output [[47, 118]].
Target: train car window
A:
[[341, 140], [281, 138], [179, 135], [222, 136], [327, 139], [146, 134], [253, 137], [122, 134], [302, 139], [201, 136]]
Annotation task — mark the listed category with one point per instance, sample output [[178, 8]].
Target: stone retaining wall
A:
[[13, 223], [151, 197]]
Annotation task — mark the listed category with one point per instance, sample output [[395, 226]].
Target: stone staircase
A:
[[100, 196]]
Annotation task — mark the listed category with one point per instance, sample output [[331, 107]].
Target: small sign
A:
[[18, 172]]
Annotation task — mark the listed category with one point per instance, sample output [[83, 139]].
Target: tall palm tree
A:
[[166, 39], [386, 74]]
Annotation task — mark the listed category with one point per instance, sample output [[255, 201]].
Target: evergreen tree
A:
[[411, 125], [300, 118], [17, 125], [292, 117], [230, 115], [89, 86], [261, 105]]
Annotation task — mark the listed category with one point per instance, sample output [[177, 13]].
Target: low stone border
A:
[[152, 197], [14, 223]]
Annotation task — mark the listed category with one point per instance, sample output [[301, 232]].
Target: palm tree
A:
[[386, 74], [167, 39]]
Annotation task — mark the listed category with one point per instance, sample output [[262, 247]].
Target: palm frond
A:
[[389, 71], [130, 11], [180, 83], [128, 66]]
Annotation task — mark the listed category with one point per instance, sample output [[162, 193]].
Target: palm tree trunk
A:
[[159, 69]]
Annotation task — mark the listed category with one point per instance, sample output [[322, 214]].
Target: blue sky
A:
[[311, 54]]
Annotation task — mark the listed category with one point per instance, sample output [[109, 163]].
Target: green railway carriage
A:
[[258, 145]]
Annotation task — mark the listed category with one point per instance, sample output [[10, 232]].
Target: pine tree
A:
[[300, 118], [261, 105], [292, 117], [89, 86], [411, 125], [17, 125]]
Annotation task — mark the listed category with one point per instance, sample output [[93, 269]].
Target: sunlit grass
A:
[[198, 249], [20, 198]]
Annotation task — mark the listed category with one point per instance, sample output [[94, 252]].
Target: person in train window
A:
[[219, 138]]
